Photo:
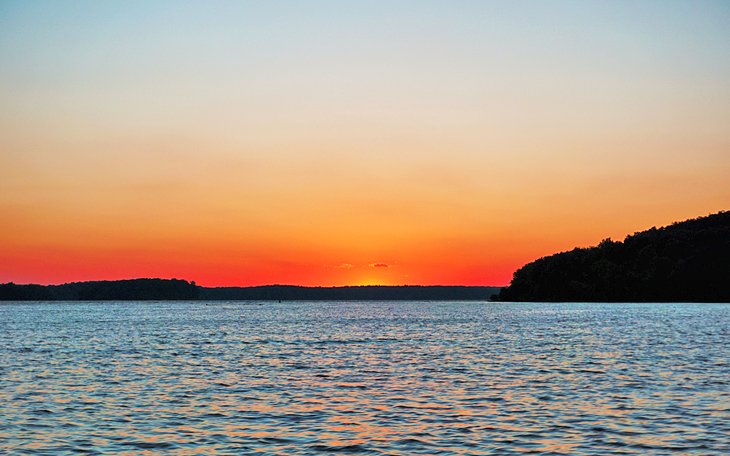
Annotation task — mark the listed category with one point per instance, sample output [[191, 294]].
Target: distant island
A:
[[174, 289], [687, 261]]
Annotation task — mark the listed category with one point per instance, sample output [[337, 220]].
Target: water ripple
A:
[[364, 378]]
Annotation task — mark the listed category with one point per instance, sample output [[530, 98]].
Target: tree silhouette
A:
[[686, 261]]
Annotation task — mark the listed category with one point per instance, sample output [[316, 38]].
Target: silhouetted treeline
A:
[[160, 289], [114, 290], [362, 293], [686, 261]]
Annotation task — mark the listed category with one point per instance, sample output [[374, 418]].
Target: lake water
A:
[[364, 377]]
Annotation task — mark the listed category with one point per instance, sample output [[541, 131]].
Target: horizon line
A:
[[249, 286]]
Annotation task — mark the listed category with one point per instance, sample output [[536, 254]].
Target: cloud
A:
[[344, 266], [379, 265]]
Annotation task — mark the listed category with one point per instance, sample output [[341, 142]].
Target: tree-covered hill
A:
[[686, 261], [106, 290]]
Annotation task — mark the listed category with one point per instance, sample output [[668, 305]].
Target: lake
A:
[[364, 377]]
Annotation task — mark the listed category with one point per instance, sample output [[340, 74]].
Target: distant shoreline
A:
[[181, 290]]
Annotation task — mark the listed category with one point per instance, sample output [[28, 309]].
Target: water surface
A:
[[364, 377]]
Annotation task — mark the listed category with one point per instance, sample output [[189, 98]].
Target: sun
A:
[[369, 281]]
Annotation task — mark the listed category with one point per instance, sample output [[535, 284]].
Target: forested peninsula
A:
[[687, 261]]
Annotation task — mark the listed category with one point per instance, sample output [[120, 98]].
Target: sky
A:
[[351, 143]]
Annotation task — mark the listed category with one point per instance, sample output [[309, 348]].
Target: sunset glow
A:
[[350, 143]]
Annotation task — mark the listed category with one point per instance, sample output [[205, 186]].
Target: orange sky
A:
[[249, 144]]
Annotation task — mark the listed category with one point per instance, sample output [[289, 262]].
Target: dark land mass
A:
[[685, 262], [106, 290], [361, 293], [174, 289]]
